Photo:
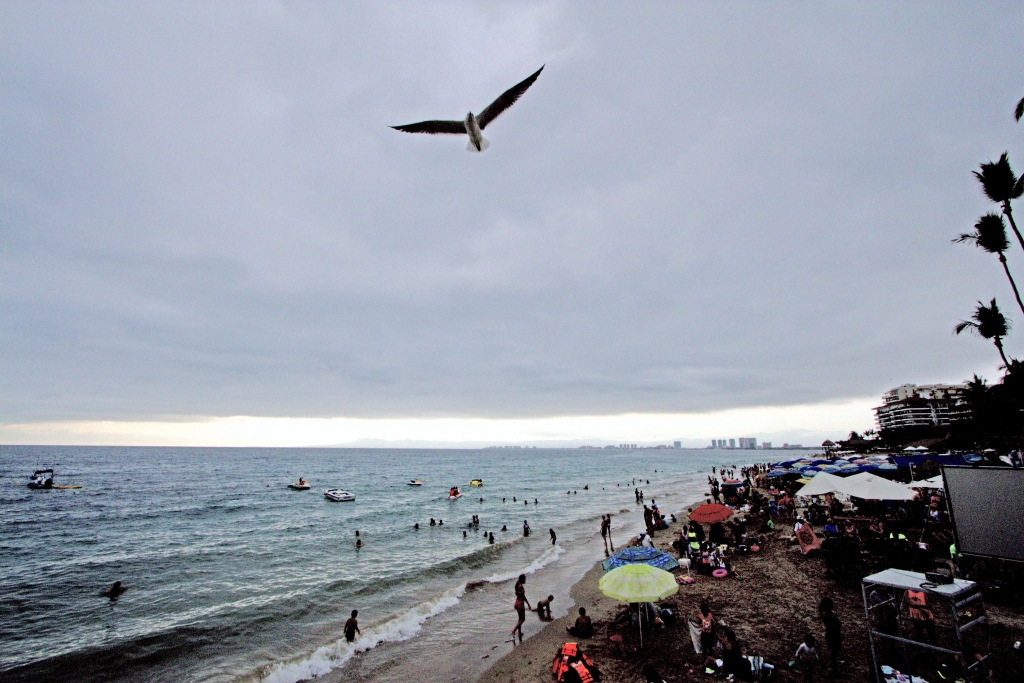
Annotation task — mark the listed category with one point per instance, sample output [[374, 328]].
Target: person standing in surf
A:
[[352, 627], [521, 605]]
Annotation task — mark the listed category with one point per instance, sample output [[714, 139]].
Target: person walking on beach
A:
[[605, 529], [808, 657], [707, 630], [352, 627], [521, 605], [833, 631]]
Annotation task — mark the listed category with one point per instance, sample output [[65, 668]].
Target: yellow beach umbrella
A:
[[638, 583]]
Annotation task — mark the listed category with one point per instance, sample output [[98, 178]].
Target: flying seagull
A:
[[474, 124]]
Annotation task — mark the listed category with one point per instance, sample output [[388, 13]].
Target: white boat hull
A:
[[339, 496]]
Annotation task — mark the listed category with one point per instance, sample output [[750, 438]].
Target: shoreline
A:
[[531, 659]]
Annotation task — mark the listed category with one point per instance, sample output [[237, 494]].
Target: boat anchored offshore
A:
[[41, 479], [300, 485], [414, 482], [339, 496], [477, 482]]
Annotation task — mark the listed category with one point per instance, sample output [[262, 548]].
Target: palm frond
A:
[[1019, 111], [963, 325], [990, 233], [998, 181]]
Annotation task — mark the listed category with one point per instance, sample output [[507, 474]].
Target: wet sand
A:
[[771, 604]]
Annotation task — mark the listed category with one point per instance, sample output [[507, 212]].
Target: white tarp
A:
[[871, 487], [822, 483], [933, 483]]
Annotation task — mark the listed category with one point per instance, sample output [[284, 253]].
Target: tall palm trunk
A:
[[999, 345], [1009, 214], [1002, 259]]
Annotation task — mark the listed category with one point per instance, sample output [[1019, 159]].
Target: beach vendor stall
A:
[[932, 612]]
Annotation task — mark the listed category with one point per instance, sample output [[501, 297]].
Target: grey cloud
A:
[[695, 207]]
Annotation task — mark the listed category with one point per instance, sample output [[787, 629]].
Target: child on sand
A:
[[544, 608], [808, 657]]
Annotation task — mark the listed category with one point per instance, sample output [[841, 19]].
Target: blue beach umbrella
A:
[[831, 469], [641, 555]]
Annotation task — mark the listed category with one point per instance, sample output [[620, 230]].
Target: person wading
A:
[[521, 605]]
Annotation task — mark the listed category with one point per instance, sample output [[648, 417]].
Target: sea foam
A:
[[400, 627]]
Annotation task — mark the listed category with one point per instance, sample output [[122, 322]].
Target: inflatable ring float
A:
[[720, 573]]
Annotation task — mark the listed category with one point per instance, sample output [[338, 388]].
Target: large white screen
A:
[[987, 505]]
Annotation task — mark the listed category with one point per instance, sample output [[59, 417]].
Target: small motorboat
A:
[[414, 482], [41, 479], [300, 485], [339, 496], [477, 482]]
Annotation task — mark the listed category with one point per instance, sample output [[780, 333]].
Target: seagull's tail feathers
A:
[[484, 144]]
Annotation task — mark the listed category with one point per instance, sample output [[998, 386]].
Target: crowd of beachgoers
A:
[[815, 549]]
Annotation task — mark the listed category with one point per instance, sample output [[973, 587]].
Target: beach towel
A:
[[807, 539], [695, 635]]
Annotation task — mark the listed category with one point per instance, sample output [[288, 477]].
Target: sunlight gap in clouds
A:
[[815, 422]]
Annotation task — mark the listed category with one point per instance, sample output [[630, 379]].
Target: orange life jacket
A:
[[561, 662], [582, 671]]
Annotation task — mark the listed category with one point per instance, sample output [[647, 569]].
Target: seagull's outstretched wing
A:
[[434, 127], [507, 99]]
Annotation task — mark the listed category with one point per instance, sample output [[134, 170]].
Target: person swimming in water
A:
[[114, 592], [553, 539], [359, 543], [490, 538], [416, 526]]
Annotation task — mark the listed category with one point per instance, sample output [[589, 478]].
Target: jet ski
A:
[[300, 485], [339, 496], [414, 482], [477, 482]]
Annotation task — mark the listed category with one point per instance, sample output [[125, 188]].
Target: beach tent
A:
[[933, 483], [872, 487], [822, 483]]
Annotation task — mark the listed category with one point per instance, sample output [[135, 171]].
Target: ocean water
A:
[[231, 576]]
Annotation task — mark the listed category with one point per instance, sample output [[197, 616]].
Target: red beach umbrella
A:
[[711, 513]]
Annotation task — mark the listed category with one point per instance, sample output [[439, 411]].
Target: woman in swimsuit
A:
[[521, 604]]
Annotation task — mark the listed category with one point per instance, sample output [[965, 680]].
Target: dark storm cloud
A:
[[694, 208]]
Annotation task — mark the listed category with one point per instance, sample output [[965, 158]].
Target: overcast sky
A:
[[696, 207]]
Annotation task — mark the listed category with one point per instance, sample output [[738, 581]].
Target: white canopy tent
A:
[[872, 487], [822, 483], [863, 485], [933, 483]]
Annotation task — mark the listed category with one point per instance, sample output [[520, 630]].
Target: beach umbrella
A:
[[638, 583], [710, 513], [641, 554]]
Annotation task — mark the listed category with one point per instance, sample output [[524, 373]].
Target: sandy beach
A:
[[771, 603]]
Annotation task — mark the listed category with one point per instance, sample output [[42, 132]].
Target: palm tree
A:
[[990, 235], [988, 322], [1001, 185]]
